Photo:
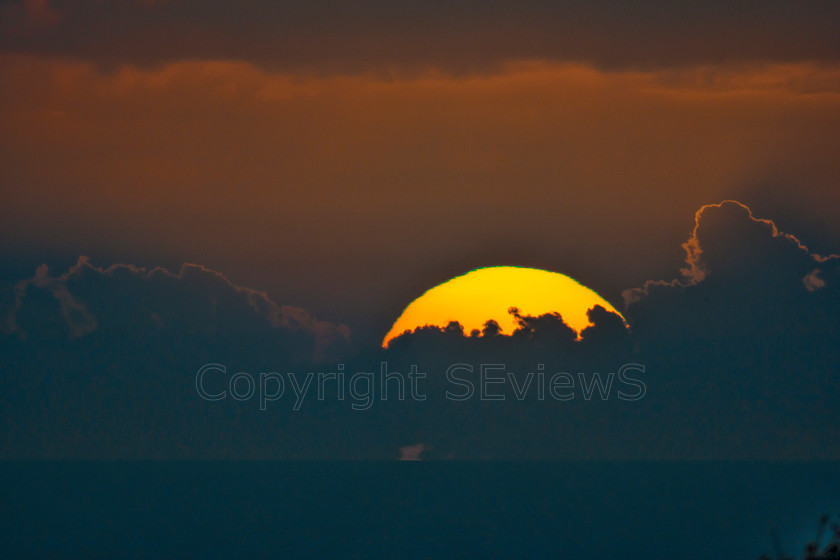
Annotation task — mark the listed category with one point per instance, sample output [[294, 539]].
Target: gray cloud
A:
[[746, 338], [456, 36], [196, 300], [728, 241]]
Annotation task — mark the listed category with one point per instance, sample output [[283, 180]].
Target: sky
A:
[[345, 158], [270, 184], [211, 213]]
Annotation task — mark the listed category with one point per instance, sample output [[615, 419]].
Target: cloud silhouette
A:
[[102, 362], [125, 298], [735, 358], [733, 245], [746, 263], [546, 333], [739, 355], [136, 304], [748, 335], [79, 322]]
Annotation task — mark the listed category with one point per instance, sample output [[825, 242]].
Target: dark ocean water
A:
[[410, 510]]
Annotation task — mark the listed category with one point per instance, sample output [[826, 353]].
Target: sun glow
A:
[[487, 293]]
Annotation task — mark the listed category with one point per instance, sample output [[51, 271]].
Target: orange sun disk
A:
[[487, 293]]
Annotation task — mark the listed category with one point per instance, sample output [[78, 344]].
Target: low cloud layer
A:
[[736, 358]]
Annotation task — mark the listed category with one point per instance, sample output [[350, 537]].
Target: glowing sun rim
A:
[[594, 297]]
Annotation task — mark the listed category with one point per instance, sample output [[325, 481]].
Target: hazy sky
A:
[[346, 157]]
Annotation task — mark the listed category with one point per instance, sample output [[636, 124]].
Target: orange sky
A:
[[351, 194]]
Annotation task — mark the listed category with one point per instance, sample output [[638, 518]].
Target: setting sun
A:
[[487, 293]]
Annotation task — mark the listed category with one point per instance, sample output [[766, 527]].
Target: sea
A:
[[422, 510]]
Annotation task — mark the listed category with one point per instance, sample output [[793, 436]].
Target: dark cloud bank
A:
[[457, 36], [737, 358]]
